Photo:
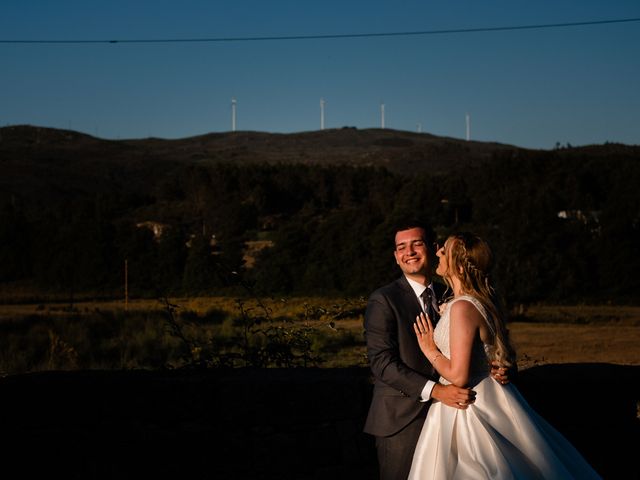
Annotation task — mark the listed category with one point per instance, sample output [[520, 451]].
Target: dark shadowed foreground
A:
[[267, 424]]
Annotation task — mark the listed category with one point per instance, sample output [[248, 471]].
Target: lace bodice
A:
[[479, 367]]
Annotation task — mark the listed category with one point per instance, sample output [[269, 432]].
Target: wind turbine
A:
[[233, 114], [322, 114], [468, 120]]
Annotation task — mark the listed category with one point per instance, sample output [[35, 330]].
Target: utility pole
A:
[[126, 285]]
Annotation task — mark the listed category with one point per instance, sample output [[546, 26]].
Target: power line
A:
[[333, 36]]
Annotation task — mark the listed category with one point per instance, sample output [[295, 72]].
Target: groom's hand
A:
[[453, 396], [502, 374]]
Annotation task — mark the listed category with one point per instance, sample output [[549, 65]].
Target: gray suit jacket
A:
[[399, 367]]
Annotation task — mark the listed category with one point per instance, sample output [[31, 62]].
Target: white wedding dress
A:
[[498, 437]]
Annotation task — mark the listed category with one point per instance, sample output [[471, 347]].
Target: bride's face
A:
[[445, 262], [443, 255]]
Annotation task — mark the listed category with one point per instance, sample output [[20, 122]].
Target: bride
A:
[[499, 436]]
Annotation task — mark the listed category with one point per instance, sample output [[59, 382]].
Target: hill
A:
[[399, 151], [328, 197], [42, 161]]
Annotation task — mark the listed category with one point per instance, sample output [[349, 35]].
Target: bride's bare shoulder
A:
[[465, 309]]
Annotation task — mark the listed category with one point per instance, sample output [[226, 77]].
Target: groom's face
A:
[[411, 252]]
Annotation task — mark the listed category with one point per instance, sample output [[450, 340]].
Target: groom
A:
[[405, 381]]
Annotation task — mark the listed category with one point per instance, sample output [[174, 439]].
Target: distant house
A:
[[156, 228], [590, 218], [213, 243]]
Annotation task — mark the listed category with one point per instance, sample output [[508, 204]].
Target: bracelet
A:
[[435, 358]]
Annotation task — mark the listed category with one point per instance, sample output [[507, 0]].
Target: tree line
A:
[[563, 228]]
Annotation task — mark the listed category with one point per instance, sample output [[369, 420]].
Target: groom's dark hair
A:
[[413, 222]]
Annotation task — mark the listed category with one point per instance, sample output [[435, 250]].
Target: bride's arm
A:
[[464, 323]]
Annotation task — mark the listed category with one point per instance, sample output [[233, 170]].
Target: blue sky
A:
[[531, 88]]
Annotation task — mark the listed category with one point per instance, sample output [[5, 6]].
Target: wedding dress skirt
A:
[[499, 436]]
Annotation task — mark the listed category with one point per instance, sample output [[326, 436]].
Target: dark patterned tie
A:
[[428, 305]]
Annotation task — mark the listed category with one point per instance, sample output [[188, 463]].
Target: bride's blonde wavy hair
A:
[[470, 259]]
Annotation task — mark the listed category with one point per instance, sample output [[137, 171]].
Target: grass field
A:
[[219, 331]]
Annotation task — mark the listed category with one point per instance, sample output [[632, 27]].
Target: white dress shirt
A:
[[418, 289]]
